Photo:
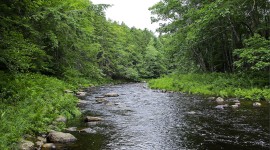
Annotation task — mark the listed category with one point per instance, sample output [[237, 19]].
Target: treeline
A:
[[49, 46], [73, 40], [216, 47], [216, 36]]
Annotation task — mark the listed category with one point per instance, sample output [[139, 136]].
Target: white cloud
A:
[[131, 12]]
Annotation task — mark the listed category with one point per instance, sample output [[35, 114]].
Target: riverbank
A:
[[31, 102], [215, 84]]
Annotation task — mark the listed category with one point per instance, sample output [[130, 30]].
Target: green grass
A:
[[216, 84], [29, 103]]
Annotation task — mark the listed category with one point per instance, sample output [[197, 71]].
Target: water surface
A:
[[145, 119]]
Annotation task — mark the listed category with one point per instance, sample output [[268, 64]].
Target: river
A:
[[144, 119]]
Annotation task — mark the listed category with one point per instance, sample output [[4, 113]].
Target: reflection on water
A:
[[141, 118]]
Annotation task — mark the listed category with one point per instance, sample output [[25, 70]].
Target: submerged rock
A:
[[93, 123], [60, 137], [83, 102], [111, 95], [191, 113], [109, 104], [101, 100], [26, 145], [92, 119], [72, 129], [257, 104], [100, 97], [48, 146], [89, 130]]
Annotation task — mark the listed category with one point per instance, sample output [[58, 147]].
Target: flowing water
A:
[[145, 119]]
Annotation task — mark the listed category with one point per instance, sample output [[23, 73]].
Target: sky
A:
[[134, 13]]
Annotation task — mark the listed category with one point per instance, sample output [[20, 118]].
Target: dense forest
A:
[[225, 44], [48, 46]]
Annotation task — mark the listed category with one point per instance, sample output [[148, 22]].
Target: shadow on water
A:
[[141, 118]]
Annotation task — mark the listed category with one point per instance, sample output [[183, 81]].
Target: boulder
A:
[[60, 137], [48, 146], [26, 145], [219, 100], [92, 119], [89, 130], [111, 95], [61, 119], [257, 104]]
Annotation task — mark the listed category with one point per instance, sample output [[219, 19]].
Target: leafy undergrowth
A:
[[29, 104], [216, 84]]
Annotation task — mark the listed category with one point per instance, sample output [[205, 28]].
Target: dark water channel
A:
[[145, 119]]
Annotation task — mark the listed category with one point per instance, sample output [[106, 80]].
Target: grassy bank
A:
[[216, 84], [29, 103]]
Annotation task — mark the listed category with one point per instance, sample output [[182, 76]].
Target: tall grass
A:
[[29, 103], [216, 84]]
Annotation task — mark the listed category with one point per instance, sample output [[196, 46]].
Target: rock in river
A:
[[100, 97], [191, 112], [48, 146], [91, 119], [89, 130], [60, 137], [111, 95], [81, 94], [101, 100], [72, 129]]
